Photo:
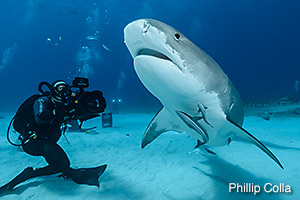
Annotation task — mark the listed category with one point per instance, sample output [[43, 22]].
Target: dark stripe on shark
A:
[[255, 141]]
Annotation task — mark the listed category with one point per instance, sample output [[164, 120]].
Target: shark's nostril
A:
[[146, 27]]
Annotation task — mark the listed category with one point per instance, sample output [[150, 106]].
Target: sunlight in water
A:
[[7, 55]]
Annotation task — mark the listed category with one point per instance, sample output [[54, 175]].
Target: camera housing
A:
[[81, 104]]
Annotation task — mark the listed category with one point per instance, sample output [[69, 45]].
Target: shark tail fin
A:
[[161, 122], [245, 134]]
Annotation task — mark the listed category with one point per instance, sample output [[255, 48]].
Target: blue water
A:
[[255, 42]]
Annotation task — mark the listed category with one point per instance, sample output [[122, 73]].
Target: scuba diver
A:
[[40, 119]]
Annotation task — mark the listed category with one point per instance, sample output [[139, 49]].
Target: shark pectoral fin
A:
[[161, 122], [188, 120], [245, 134]]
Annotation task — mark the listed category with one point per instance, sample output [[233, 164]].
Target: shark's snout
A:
[[133, 36]]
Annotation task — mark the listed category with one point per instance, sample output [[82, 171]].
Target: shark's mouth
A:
[[156, 54], [149, 52]]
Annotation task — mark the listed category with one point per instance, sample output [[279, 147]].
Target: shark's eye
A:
[[177, 36]]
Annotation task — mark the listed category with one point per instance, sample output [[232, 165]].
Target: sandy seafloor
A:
[[165, 169]]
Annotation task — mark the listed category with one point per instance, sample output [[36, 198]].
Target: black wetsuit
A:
[[48, 118]]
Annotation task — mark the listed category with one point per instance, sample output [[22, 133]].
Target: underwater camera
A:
[[80, 104]]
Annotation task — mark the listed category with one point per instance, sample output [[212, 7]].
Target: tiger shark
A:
[[197, 96]]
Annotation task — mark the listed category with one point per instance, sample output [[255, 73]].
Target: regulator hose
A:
[[7, 134]]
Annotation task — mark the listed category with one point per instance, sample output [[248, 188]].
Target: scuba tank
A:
[[23, 119]]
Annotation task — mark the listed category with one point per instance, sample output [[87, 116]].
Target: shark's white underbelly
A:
[[217, 131], [178, 91]]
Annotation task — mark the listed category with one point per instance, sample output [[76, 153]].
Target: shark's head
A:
[[156, 39], [154, 47], [152, 38]]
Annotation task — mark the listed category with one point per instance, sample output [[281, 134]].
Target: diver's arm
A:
[[43, 110]]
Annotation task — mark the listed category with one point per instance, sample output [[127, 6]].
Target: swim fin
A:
[[23, 176], [88, 176]]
